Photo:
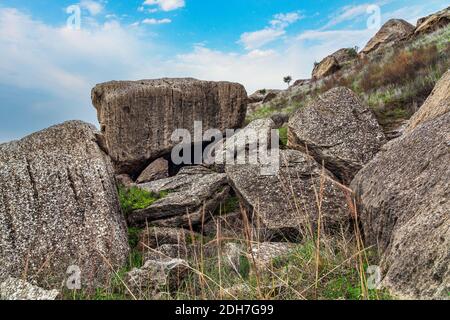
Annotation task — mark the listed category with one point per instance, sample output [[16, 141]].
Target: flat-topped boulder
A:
[[338, 130], [138, 118], [391, 32], [59, 208]]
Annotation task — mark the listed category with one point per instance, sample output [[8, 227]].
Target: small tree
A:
[[287, 79]]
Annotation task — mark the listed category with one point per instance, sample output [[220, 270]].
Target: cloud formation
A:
[[276, 29], [166, 5]]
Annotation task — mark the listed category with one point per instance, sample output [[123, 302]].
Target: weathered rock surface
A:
[[437, 104], [285, 205], [433, 22], [338, 130], [264, 253], [279, 120], [403, 198], [16, 289], [138, 118], [154, 237], [157, 170], [59, 207], [333, 63], [391, 32], [157, 277], [243, 146], [124, 180], [263, 96], [195, 193], [325, 68]]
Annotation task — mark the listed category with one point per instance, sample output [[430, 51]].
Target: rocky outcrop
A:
[[437, 104], [338, 130], [285, 205], [59, 208], [194, 195], [325, 68], [333, 63], [16, 289], [433, 22], [138, 118], [263, 96], [403, 203], [157, 170], [391, 32]]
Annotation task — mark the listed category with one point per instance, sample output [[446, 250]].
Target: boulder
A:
[[437, 104], [243, 146], [124, 180], [155, 237], [16, 289], [403, 204], [59, 208], [333, 63], [138, 118], [270, 96], [284, 206], [279, 119], [433, 22], [339, 130], [325, 68], [194, 195], [264, 96], [158, 169], [258, 96], [266, 252], [157, 277], [391, 32]]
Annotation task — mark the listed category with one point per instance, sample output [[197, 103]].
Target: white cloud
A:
[[166, 5], [94, 7], [156, 21], [257, 39]]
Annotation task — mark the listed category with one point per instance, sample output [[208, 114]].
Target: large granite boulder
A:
[[391, 32], [138, 118], [404, 206], [59, 208], [334, 62], [194, 195], [285, 206], [437, 104], [433, 22], [339, 130]]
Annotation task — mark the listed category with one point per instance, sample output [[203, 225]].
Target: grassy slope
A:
[[394, 85]]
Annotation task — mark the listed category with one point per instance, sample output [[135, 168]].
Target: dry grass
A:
[[318, 267]]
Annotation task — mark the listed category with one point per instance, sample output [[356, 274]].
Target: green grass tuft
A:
[[136, 198]]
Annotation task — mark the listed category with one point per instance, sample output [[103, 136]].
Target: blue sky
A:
[[47, 68]]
